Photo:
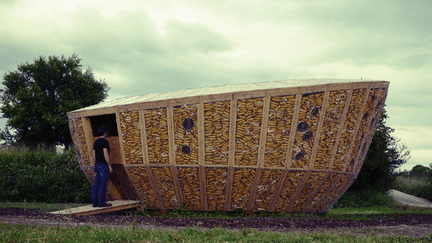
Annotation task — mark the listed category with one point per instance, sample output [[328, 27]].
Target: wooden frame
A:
[[328, 194]]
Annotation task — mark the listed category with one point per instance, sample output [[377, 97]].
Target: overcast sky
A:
[[141, 47]]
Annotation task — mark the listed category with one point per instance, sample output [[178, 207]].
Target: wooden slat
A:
[[288, 156], [319, 128], [371, 132], [231, 153], [298, 191], [120, 134], [261, 152], [117, 205], [356, 130], [220, 97], [171, 142], [342, 190], [88, 136], [341, 129], [316, 190], [201, 157], [146, 162]]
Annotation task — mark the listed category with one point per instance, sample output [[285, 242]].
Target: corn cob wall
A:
[[292, 150]]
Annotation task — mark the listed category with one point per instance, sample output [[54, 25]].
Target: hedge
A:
[[41, 176]]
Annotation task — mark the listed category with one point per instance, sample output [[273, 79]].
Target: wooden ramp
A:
[[117, 205]]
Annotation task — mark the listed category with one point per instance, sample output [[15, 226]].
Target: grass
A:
[[417, 186], [44, 207], [372, 205], [25, 233]]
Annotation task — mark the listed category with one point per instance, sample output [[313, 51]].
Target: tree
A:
[[384, 156], [420, 171], [37, 97]]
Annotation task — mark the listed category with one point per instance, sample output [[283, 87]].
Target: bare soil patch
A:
[[409, 224]]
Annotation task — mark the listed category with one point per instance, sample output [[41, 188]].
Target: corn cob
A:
[[291, 183], [141, 181], [279, 124], [190, 184], [131, 137], [216, 187], [331, 180], [307, 190], [361, 136], [248, 131], [349, 127], [330, 128], [165, 184], [266, 188], [310, 110], [186, 134], [331, 194], [242, 183], [157, 135], [81, 142], [216, 126]]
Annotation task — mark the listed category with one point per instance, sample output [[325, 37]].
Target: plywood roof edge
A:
[[136, 102]]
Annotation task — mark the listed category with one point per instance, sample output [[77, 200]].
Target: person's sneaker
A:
[[106, 205]]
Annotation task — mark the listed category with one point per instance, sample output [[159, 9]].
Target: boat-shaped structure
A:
[[287, 146]]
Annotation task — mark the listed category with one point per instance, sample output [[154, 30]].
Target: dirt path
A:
[[409, 200], [413, 225]]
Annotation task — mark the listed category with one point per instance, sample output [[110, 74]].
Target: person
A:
[[60, 148], [102, 169]]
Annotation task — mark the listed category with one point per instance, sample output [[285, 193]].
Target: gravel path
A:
[[409, 200]]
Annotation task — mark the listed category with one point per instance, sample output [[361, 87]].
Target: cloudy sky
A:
[[140, 47]]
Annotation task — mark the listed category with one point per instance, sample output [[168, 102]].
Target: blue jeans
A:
[[100, 184]]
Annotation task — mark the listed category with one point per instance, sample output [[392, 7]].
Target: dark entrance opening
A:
[[119, 178]]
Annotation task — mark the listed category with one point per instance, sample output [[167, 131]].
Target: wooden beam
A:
[[117, 205]]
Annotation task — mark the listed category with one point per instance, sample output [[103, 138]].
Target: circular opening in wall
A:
[[372, 124], [315, 111], [299, 156], [363, 148], [307, 136], [186, 149], [188, 124], [302, 126], [365, 116]]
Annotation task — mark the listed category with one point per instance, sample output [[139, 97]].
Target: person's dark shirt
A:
[[98, 147]]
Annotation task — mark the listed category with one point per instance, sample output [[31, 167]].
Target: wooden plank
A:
[[288, 156], [356, 130], [201, 157], [341, 129], [370, 132], [120, 135], [298, 192], [316, 190], [88, 135], [171, 139], [133, 104], [172, 155], [261, 152], [146, 162], [319, 128], [231, 153], [143, 138], [117, 205]]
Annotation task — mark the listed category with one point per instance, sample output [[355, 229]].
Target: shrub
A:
[[41, 176], [367, 198], [413, 185]]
